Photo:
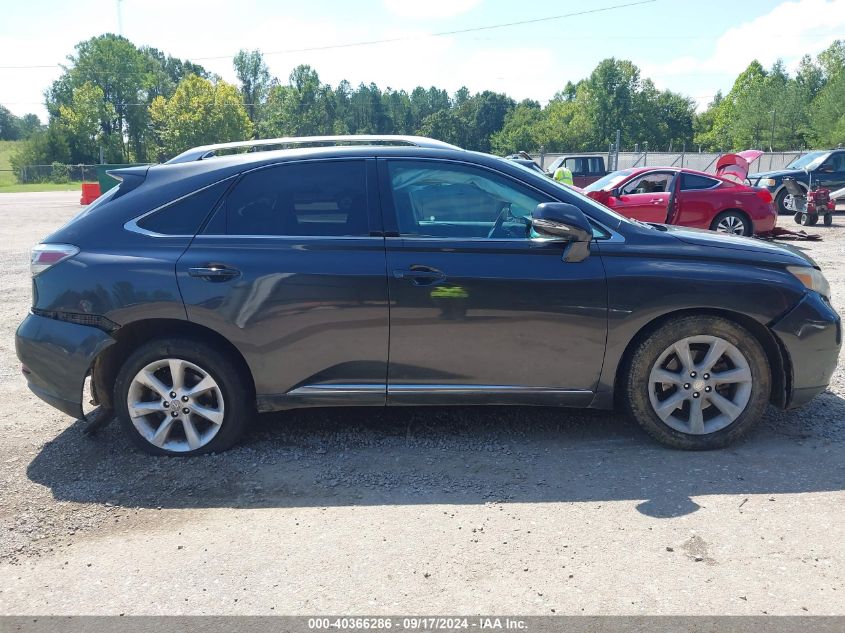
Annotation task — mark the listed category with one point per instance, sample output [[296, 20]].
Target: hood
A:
[[776, 173], [735, 166], [754, 248]]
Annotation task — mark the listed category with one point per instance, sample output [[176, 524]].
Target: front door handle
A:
[[214, 272], [420, 275]]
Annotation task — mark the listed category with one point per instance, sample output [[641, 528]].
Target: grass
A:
[[8, 182], [7, 148], [41, 186]]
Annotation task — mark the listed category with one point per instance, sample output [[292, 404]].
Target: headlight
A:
[[767, 182], [812, 279]]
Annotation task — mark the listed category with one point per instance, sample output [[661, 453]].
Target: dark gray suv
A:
[[403, 271]]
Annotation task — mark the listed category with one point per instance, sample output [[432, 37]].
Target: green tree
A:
[[44, 147], [566, 126], [832, 59], [304, 107], [199, 112], [29, 124], [519, 132], [609, 96], [130, 78], [118, 68], [482, 115], [397, 106], [828, 113], [81, 120], [10, 128], [254, 77], [442, 125]]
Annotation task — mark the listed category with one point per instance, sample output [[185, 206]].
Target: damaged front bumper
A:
[[811, 334]]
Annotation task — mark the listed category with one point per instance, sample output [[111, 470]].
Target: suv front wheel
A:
[[180, 397], [698, 382]]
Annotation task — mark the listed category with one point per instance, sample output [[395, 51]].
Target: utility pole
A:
[[616, 152], [772, 140], [119, 18]]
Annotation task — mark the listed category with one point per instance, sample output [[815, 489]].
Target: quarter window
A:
[[300, 199], [691, 182], [459, 201], [185, 216]]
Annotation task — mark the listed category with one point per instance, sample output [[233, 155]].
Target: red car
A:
[[668, 195]]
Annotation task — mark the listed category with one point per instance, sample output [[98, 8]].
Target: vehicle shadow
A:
[[472, 455]]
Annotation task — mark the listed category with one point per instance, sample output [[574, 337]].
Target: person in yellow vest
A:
[[563, 175]]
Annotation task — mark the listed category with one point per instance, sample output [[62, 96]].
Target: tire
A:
[[779, 203], [800, 218], [741, 404], [732, 222], [828, 219], [807, 219], [217, 413]]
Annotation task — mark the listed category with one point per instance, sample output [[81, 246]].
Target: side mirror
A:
[[566, 222]]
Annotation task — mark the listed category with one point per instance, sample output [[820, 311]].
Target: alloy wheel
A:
[[700, 385], [175, 405], [731, 224]]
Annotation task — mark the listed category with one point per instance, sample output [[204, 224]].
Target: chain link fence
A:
[[700, 161], [56, 173]]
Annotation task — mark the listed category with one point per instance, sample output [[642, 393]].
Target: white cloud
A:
[[429, 9], [789, 31]]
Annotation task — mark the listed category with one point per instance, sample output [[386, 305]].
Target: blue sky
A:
[[692, 47]]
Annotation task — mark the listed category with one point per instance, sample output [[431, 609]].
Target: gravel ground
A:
[[475, 510]]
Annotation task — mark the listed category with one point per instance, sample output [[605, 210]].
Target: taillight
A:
[[46, 256], [764, 195]]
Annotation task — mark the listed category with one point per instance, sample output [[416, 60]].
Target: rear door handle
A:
[[214, 272], [420, 275]]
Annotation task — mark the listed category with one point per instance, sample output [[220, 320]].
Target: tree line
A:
[[127, 103]]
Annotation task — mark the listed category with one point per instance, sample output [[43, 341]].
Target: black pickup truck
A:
[[825, 167], [585, 169]]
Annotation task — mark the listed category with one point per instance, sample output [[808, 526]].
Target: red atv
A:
[[808, 207]]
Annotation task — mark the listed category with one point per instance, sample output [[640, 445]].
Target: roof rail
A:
[[208, 151]]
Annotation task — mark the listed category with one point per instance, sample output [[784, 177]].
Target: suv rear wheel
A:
[[180, 397], [698, 382]]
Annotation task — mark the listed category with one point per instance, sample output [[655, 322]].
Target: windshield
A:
[[808, 160], [555, 164], [598, 206], [609, 181]]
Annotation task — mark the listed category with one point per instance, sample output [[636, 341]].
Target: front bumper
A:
[[811, 334], [58, 356]]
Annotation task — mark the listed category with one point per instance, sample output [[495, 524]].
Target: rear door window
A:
[[320, 199]]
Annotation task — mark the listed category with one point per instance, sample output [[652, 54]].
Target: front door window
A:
[[450, 200]]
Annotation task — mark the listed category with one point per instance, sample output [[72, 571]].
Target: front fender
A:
[[643, 291]]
